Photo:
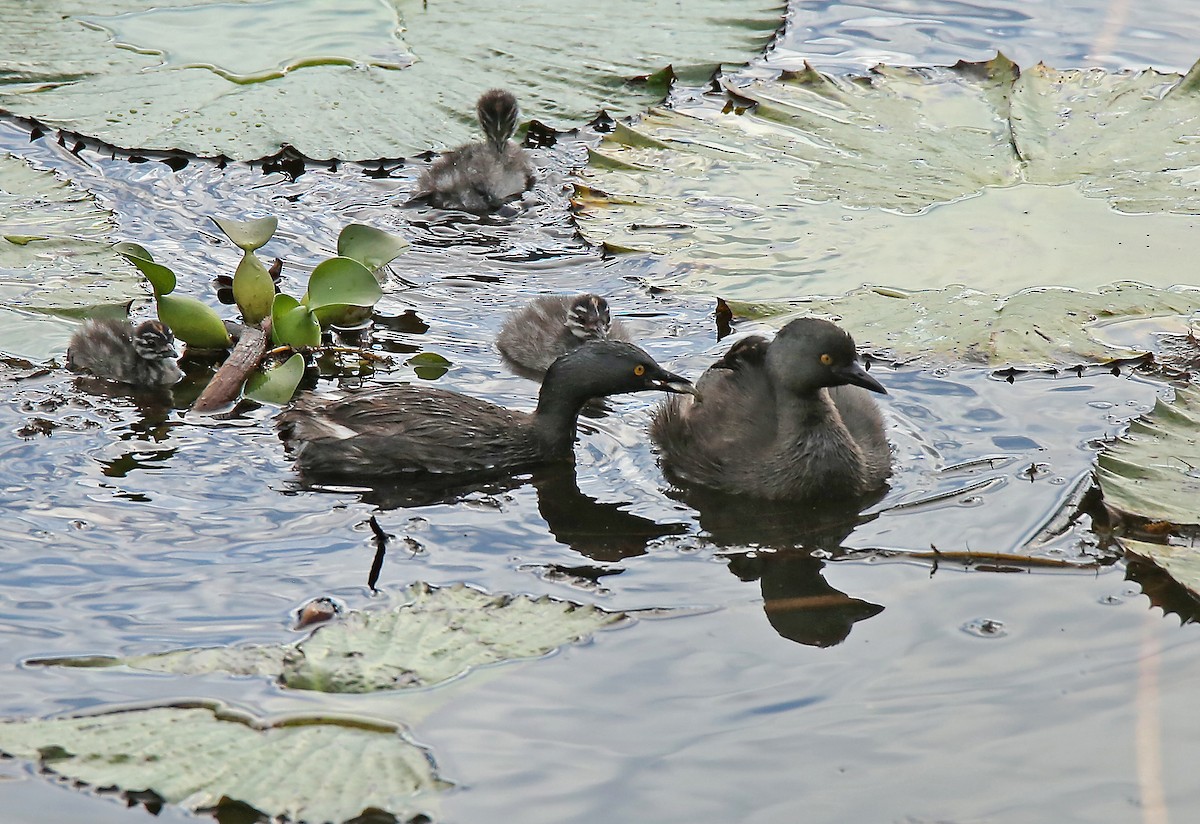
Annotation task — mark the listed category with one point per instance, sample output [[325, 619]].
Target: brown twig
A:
[[224, 387]]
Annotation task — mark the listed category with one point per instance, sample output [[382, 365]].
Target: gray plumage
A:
[[481, 177], [115, 350], [783, 419], [421, 433], [544, 329]]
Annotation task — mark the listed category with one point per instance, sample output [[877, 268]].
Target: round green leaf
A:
[[162, 279], [276, 386], [193, 322], [342, 280], [342, 315], [253, 289], [429, 366], [371, 247], [293, 324], [248, 234]]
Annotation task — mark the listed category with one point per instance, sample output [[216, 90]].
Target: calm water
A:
[[956, 693]]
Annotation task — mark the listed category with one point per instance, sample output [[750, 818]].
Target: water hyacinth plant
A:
[[341, 291]]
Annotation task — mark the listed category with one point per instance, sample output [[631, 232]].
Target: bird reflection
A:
[[799, 603]]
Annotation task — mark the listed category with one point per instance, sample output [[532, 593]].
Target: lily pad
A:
[[373, 248], [55, 262], [202, 756], [977, 174], [1182, 563], [245, 79], [1153, 471], [276, 386], [429, 366], [436, 634], [1033, 328]]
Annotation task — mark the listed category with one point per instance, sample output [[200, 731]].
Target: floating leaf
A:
[[429, 366], [1034, 328], [193, 322], [248, 235], [205, 755], [438, 633], [923, 178], [55, 262], [373, 248], [341, 281], [204, 78], [253, 289], [1182, 563], [1153, 471], [293, 324], [276, 386]]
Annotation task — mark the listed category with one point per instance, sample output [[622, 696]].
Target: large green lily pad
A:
[[977, 175], [55, 264], [1033, 328], [351, 79], [435, 634], [1153, 471], [305, 769]]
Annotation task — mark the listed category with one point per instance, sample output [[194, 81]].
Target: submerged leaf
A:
[[438, 633], [244, 79], [276, 386], [248, 235], [193, 322], [373, 248], [1153, 471], [201, 756]]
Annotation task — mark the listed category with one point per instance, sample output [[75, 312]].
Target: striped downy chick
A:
[[481, 177], [114, 350], [535, 335]]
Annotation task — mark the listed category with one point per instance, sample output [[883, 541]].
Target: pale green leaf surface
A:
[[67, 270], [293, 324], [371, 247], [276, 386], [245, 79], [342, 281], [910, 178], [1153, 471], [161, 278], [248, 235], [1182, 563], [305, 769], [253, 288], [435, 634], [1032, 328], [193, 322]]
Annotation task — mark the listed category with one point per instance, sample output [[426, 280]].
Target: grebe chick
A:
[[544, 329], [481, 177], [786, 419], [420, 433], [115, 350]]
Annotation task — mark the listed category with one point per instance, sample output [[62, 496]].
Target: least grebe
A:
[[113, 349], [421, 433], [544, 329], [481, 177], [786, 419]]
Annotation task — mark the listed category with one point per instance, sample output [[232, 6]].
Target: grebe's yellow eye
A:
[[639, 370], [827, 359]]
